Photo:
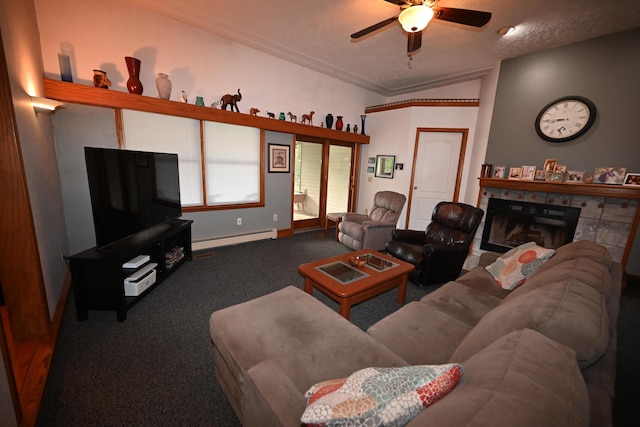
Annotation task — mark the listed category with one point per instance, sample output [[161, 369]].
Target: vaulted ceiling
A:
[[316, 34]]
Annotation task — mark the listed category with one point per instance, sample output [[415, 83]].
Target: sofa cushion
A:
[[569, 312], [297, 332], [522, 379], [592, 273], [512, 269], [580, 249], [420, 334], [379, 396]]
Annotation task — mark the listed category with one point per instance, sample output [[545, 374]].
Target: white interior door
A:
[[436, 173]]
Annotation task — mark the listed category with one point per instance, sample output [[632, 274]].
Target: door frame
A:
[[463, 149], [324, 178]]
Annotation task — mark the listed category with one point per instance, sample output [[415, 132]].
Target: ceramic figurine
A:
[[183, 97], [100, 79], [308, 118], [231, 100]]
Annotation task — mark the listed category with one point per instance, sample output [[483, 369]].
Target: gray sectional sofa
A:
[[540, 355]]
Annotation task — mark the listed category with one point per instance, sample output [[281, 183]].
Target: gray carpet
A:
[[156, 368]]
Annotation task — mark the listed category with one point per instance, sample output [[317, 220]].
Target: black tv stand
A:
[[98, 275]]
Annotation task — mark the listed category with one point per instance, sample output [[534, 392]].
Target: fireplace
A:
[[510, 223]]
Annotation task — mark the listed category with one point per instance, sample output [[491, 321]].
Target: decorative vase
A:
[[348, 127], [134, 85], [339, 123], [200, 101], [362, 119], [65, 67], [100, 79], [163, 84], [355, 128], [329, 120]]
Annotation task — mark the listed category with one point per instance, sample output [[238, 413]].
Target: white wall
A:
[[395, 134], [98, 35]]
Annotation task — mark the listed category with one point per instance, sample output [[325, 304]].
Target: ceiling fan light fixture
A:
[[415, 18], [506, 30]]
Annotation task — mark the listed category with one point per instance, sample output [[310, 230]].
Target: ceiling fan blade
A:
[[475, 18], [374, 27], [414, 42]]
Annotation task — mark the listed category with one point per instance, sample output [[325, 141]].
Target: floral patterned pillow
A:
[[512, 269], [379, 396]]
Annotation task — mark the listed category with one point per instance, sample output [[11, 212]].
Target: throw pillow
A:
[[512, 269], [379, 396]]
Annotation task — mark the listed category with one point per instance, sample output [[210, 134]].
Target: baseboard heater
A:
[[235, 239]]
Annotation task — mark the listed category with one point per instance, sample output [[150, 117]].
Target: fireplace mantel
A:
[[611, 197], [592, 190]]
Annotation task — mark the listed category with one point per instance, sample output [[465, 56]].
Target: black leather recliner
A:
[[439, 252]]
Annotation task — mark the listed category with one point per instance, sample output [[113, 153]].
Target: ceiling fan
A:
[[416, 14]]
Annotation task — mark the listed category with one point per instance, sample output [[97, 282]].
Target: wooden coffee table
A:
[[349, 285]]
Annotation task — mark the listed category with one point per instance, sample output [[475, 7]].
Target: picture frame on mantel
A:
[[576, 176], [632, 180], [514, 173], [279, 156], [606, 175], [528, 173]]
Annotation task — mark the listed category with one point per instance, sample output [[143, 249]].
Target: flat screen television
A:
[[131, 191]]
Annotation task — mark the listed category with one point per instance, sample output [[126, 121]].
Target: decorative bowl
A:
[[357, 260]]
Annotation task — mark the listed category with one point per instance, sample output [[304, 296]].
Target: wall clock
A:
[[565, 118]]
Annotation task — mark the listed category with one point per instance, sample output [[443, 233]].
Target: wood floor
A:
[[31, 360]]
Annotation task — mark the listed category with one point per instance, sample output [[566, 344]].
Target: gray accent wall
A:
[[79, 125], [606, 71]]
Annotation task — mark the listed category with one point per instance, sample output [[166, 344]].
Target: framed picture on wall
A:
[[385, 166], [279, 158]]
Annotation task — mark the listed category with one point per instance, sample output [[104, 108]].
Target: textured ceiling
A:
[[316, 34]]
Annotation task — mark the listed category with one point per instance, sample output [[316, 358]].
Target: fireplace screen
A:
[[511, 223]]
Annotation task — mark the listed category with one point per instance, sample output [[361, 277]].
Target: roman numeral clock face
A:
[[565, 119]]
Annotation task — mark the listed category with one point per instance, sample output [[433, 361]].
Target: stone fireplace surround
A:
[[609, 213]]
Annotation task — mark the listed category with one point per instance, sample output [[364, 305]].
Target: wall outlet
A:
[[238, 221], [275, 217]]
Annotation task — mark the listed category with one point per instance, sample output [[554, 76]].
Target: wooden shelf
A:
[[592, 190], [89, 95]]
